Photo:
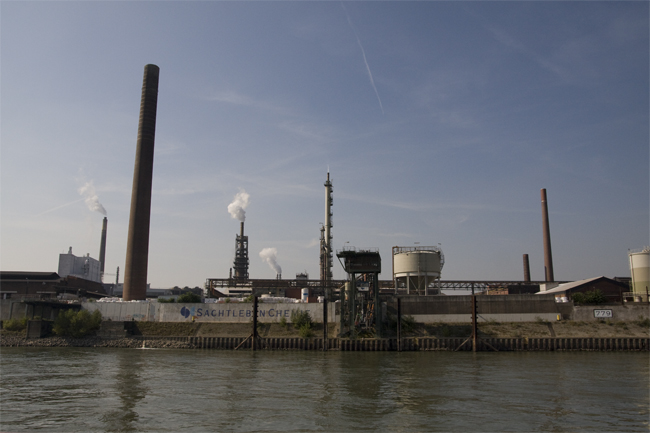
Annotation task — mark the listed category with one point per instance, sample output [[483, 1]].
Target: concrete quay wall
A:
[[511, 308], [420, 344], [219, 313]]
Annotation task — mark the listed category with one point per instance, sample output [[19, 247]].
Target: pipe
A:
[[137, 249], [548, 256]]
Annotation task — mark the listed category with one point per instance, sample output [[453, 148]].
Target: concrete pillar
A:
[[137, 249]]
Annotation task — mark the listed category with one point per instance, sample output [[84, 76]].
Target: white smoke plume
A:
[[90, 197], [269, 255], [238, 206]]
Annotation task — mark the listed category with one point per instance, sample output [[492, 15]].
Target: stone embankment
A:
[[156, 343]]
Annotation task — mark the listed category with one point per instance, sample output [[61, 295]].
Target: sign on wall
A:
[[603, 314]]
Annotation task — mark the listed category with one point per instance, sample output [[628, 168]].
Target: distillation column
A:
[[326, 242]]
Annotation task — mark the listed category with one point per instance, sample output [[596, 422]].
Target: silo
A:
[[416, 268], [640, 270]]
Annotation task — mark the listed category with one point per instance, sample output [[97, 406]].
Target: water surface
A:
[[129, 390]]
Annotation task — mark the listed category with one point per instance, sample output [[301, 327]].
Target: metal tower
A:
[[326, 241], [241, 256]]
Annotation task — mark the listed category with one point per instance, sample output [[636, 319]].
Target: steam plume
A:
[[269, 256], [92, 201], [236, 208]]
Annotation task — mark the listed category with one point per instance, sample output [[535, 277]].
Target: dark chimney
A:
[[102, 250], [548, 256], [526, 269], [137, 248]]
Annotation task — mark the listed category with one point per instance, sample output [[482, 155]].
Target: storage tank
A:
[[416, 268], [640, 270]]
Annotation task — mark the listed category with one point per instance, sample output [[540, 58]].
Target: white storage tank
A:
[[640, 270], [416, 268], [304, 295]]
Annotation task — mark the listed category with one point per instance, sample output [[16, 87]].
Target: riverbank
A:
[[538, 329], [564, 335]]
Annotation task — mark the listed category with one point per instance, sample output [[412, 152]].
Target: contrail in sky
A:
[[61, 206], [363, 52]]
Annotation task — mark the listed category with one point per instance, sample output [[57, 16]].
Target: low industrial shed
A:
[[613, 290]]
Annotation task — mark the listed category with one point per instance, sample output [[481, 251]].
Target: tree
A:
[[590, 297], [77, 324], [189, 298]]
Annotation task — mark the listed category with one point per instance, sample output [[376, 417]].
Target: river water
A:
[[159, 390]]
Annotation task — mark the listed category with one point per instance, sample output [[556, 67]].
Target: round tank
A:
[[640, 270], [417, 262], [415, 271], [304, 295]]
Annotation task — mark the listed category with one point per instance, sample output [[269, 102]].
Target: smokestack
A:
[[102, 250], [137, 249], [548, 256], [526, 268]]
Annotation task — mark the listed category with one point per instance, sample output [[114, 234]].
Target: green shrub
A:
[[283, 322], [408, 324], [305, 331], [15, 324], [300, 318], [77, 324], [166, 300], [248, 298], [590, 297], [645, 323], [188, 298]]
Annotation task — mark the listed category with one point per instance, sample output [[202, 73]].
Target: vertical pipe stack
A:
[[548, 257], [137, 249], [526, 268], [102, 249], [326, 241]]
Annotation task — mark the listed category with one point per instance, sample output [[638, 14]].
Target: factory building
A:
[[47, 285], [612, 290], [84, 267]]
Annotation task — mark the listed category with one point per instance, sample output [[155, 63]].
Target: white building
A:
[[81, 267]]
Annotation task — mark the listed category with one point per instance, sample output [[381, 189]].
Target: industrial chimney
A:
[[102, 250], [137, 249], [526, 269], [548, 256]]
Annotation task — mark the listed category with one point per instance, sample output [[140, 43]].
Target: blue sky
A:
[[438, 121]]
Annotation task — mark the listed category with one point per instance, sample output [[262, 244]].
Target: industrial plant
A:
[[363, 301]]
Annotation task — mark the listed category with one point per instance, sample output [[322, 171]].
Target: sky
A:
[[439, 123]]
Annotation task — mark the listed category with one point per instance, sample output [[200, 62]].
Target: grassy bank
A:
[[562, 329], [540, 329]]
